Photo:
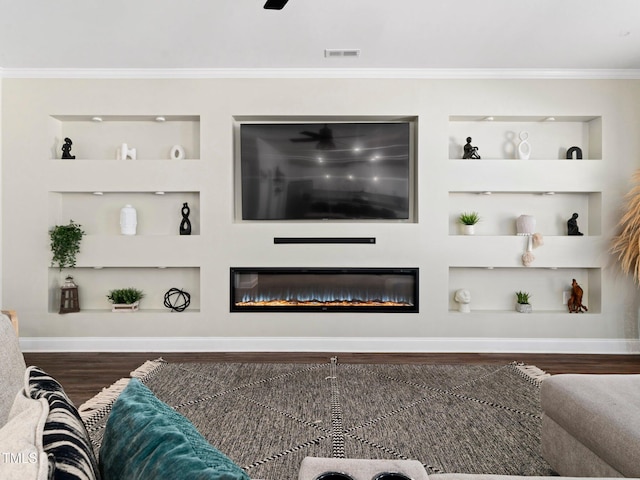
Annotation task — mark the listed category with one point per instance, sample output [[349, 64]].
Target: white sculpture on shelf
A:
[[463, 298], [524, 149], [177, 152], [128, 220], [125, 153]]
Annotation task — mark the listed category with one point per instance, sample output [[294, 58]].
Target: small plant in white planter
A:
[[523, 305], [468, 221], [125, 299]]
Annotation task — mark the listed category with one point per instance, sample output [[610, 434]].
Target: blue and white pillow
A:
[[65, 436]]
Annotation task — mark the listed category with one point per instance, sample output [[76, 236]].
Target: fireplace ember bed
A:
[[324, 289]]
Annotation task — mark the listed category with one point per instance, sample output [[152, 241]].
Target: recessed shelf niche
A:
[[95, 283], [158, 213], [497, 137], [493, 289], [499, 210], [99, 140]]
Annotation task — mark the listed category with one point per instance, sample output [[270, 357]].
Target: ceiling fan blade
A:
[[275, 4]]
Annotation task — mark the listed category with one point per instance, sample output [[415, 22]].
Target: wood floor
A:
[[84, 374]]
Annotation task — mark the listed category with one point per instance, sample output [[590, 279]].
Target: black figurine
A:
[[66, 150], [185, 225], [572, 225], [470, 151], [577, 151]]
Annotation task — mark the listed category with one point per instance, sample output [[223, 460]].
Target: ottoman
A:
[[591, 425], [359, 469]]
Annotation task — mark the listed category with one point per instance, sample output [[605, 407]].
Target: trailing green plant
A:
[[469, 218], [523, 297], [125, 296], [65, 244]]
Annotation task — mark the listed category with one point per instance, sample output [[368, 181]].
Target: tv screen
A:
[[325, 171]]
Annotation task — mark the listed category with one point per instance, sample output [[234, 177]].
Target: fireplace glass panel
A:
[[287, 289]]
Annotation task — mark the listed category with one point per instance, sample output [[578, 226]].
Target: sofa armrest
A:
[[13, 316]]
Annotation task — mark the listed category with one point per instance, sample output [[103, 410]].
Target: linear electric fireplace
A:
[[324, 289]]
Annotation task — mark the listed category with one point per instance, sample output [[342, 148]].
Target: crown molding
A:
[[373, 73], [330, 344]]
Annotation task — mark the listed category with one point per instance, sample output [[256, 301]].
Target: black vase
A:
[[185, 225]]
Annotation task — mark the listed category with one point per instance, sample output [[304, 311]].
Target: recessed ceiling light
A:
[[160, 119], [488, 119], [96, 119], [550, 119]]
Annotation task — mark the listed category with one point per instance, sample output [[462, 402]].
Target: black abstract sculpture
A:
[[577, 151], [469, 150], [185, 225], [177, 300], [66, 150], [572, 225]]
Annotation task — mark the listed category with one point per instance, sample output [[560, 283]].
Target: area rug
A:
[[268, 417]]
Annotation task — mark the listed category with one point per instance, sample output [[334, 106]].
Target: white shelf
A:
[[526, 175]]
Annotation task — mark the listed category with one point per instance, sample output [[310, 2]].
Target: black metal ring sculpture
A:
[[177, 300]]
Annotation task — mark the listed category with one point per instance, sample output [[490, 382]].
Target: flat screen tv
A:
[[325, 171]]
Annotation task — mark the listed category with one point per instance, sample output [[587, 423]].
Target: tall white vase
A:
[[128, 220]]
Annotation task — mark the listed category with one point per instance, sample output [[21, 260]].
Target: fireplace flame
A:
[[318, 303]]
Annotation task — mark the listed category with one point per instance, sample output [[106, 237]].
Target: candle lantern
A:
[[69, 301]]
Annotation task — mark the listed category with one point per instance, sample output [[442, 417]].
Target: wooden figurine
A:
[[575, 301]]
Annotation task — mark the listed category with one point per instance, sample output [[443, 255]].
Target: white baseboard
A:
[[330, 344]]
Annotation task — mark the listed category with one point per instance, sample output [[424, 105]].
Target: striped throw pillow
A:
[[65, 437]]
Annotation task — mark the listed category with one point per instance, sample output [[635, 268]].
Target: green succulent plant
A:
[[523, 297], [65, 244], [469, 218], [125, 296]]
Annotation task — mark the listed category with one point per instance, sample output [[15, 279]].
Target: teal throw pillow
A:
[[146, 439]]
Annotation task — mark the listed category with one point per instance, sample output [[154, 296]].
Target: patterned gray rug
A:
[[268, 417]]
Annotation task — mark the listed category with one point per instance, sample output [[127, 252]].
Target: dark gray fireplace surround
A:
[[390, 290]]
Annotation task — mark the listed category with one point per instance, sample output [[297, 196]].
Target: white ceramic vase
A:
[[128, 220], [469, 229]]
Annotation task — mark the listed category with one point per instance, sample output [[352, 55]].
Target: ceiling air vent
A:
[[341, 52]]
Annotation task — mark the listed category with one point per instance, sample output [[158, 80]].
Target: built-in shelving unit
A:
[[92, 189], [501, 187]]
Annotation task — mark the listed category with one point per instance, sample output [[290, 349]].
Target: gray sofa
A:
[[591, 424], [582, 401]]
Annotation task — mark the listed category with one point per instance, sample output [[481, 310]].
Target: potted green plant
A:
[[65, 244], [125, 299], [468, 221], [523, 305]]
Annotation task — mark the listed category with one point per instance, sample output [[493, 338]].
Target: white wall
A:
[[224, 242]]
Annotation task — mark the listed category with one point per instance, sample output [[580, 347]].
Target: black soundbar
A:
[[312, 240]]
